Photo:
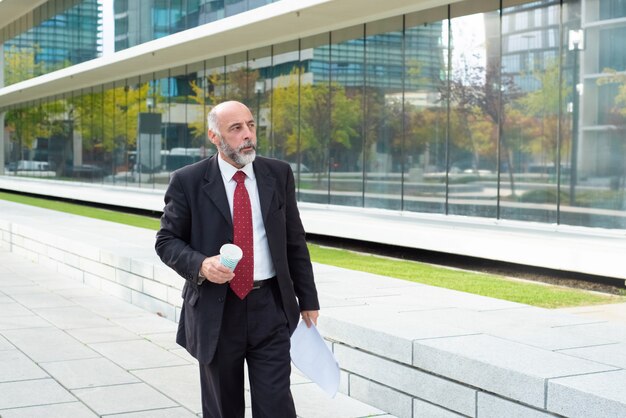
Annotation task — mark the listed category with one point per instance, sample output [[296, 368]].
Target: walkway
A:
[[69, 350]]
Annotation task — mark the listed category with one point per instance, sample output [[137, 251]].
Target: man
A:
[[223, 322]]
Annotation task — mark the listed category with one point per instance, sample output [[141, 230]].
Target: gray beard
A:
[[236, 155]]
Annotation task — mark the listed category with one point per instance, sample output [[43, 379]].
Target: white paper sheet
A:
[[311, 355]]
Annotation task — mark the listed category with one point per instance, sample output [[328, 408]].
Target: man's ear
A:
[[212, 138]]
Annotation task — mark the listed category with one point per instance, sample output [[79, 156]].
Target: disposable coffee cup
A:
[[230, 254]]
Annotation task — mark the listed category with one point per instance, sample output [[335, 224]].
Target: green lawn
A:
[[465, 281]]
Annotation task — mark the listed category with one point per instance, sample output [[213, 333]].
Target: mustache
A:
[[247, 144]]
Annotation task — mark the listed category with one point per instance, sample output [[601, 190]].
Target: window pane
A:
[[531, 108], [260, 78], [384, 129], [314, 127], [425, 120], [474, 116], [594, 186], [345, 135]]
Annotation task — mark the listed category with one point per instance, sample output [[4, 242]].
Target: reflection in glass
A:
[[425, 114], [314, 118], [343, 99], [531, 110], [596, 58], [473, 178], [422, 112], [384, 129]]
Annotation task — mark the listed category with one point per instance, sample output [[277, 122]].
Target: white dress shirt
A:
[[263, 265]]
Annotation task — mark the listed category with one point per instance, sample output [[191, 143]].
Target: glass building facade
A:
[[53, 36], [501, 110]]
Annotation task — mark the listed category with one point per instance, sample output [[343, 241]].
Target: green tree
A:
[[216, 87], [20, 64], [544, 107], [104, 118], [618, 80], [327, 118], [26, 123]]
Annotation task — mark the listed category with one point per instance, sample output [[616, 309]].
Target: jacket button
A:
[[220, 299]]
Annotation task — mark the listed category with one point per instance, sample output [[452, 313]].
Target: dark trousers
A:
[[255, 330]]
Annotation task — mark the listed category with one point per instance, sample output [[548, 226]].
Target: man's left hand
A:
[[310, 317]]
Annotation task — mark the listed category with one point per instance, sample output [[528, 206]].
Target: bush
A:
[[542, 196]]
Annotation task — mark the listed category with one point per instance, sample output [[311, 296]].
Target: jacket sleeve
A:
[[172, 239]]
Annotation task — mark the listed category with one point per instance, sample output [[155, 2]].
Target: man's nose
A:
[[250, 132]]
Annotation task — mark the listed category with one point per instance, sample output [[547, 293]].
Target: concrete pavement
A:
[[69, 350]]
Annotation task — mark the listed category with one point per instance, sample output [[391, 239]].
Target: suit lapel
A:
[[265, 183], [214, 188]]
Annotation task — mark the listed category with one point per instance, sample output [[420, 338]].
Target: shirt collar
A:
[[228, 171]]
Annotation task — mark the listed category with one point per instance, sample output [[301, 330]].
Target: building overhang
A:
[[11, 10], [268, 25]]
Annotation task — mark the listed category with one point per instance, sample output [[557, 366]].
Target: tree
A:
[[29, 122], [105, 117], [477, 93], [215, 87], [20, 64], [328, 118], [544, 106]]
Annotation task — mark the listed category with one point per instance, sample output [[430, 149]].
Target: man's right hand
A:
[[216, 272]]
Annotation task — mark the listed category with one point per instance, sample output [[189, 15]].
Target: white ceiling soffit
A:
[[271, 24], [13, 9]]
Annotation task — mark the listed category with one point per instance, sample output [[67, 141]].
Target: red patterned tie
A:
[[242, 225]]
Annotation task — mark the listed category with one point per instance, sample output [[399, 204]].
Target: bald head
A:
[[220, 110], [231, 128]]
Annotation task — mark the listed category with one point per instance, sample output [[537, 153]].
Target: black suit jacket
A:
[[196, 222]]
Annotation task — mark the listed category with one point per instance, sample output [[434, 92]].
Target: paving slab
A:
[[313, 402], [109, 306], [71, 317], [408, 380], [11, 308], [137, 354], [159, 413], [532, 326], [5, 344], [132, 397], [14, 366], [21, 393], [62, 410], [38, 298], [506, 368], [76, 374], [489, 406], [102, 334], [22, 321], [381, 329], [591, 395], [180, 383], [146, 324], [58, 345], [611, 354]]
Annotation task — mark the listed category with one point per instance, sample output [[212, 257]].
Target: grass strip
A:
[[499, 287], [83, 210], [494, 286]]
